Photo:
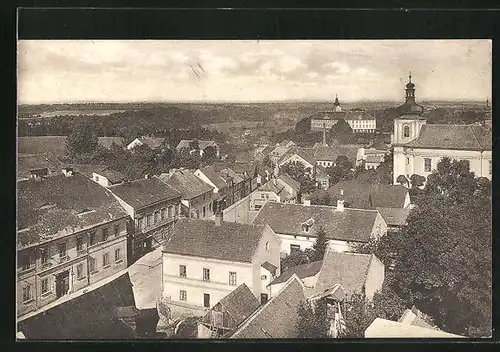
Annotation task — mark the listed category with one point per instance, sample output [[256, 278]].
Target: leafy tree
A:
[[320, 244], [417, 181], [303, 126], [184, 158], [82, 140], [295, 258], [209, 155], [312, 320], [194, 145], [342, 170], [402, 180]]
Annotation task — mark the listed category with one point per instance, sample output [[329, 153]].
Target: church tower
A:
[[336, 104]]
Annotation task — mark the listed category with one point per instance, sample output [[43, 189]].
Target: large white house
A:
[[204, 261], [418, 146]]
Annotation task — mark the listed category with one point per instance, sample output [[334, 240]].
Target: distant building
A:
[[108, 177], [204, 261], [33, 165], [307, 273], [197, 197], [151, 142], [371, 157], [202, 145], [322, 178], [327, 156], [107, 142], [71, 233], [418, 146], [297, 225], [279, 150], [153, 207], [282, 189], [298, 155], [359, 121], [228, 186]]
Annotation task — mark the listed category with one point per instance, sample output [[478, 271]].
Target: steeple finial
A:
[[410, 76]]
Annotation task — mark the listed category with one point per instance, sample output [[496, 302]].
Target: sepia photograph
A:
[[253, 189]]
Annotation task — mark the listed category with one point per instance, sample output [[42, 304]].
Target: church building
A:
[[418, 146]]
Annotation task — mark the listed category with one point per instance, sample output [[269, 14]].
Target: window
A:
[[92, 239], [45, 285], [406, 131], [204, 212], [105, 260], [489, 168], [294, 248], [27, 294], [116, 229], [92, 266], [44, 255], [232, 278], [183, 295], [157, 217], [149, 220], [206, 300], [182, 271], [262, 195], [206, 274], [79, 271], [163, 214], [105, 234], [427, 165], [97, 178], [170, 211], [267, 196], [118, 255], [267, 246], [408, 161], [79, 243], [25, 261], [263, 298], [62, 250]]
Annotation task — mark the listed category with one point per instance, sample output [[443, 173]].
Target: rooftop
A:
[[112, 175], [369, 196], [144, 192], [395, 216], [285, 178], [202, 238], [461, 137], [333, 152], [107, 142], [343, 115], [347, 225], [27, 162], [186, 183], [202, 144], [382, 328], [151, 142], [271, 186], [345, 268], [302, 271], [60, 205], [304, 153], [277, 318]]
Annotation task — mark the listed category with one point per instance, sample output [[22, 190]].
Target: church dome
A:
[[410, 85]]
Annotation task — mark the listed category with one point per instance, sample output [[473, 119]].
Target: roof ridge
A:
[[475, 137]]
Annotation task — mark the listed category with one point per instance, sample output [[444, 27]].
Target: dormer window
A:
[[306, 225], [406, 131]]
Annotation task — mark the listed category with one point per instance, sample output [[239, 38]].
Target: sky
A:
[[59, 71]]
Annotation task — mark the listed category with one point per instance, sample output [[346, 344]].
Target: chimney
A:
[[340, 205], [218, 218], [341, 192], [67, 171]]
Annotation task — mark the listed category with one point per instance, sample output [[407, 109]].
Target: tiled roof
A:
[[347, 225], [186, 183], [332, 153], [369, 196], [55, 145], [202, 144], [463, 137], [60, 205], [304, 153], [277, 318], [394, 216], [27, 162], [280, 190], [144, 192], [382, 328], [374, 159], [107, 142], [240, 303], [269, 267], [152, 143], [238, 167], [268, 149], [343, 115], [302, 271], [345, 268], [213, 176], [289, 181], [86, 169], [202, 238]]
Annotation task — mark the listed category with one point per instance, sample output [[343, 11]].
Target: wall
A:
[[103, 181], [193, 284], [199, 202], [379, 227], [296, 158], [256, 199], [317, 124], [307, 242], [238, 212], [272, 255], [375, 277]]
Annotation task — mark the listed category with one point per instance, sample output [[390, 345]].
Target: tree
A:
[[319, 246], [209, 155], [297, 257], [303, 126], [342, 170], [417, 181], [402, 180], [443, 256], [312, 320], [341, 132], [194, 145], [82, 140]]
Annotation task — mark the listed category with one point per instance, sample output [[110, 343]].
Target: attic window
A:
[[306, 225], [85, 212], [47, 206]]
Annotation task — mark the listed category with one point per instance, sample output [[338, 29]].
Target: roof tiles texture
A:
[[186, 183], [202, 144], [463, 137], [369, 196], [240, 303], [302, 271], [348, 225], [144, 192], [202, 238], [395, 216], [60, 205]]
